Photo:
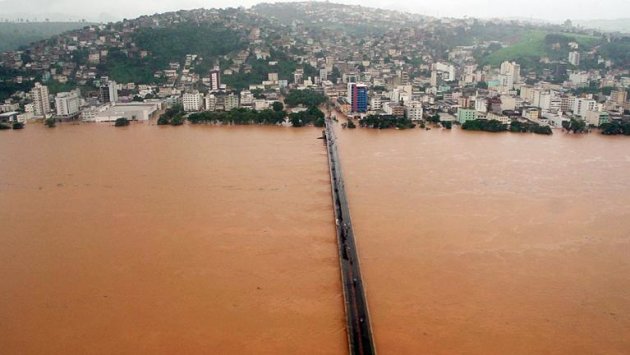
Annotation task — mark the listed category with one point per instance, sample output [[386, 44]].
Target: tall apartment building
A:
[[619, 96], [582, 106], [230, 102], [41, 102], [108, 92], [192, 101], [415, 111], [358, 97], [513, 70], [215, 79], [323, 74], [210, 102], [574, 58], [510, 74], [67, 103]]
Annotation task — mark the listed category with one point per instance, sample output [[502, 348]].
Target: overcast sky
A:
[[553, 10]]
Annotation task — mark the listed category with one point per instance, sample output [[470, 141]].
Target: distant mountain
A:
[[16, 34]]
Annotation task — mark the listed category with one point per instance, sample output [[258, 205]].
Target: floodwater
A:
[[479, 243], [203, 239], [171, 240]]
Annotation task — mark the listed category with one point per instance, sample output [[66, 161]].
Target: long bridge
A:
[[359, 331]]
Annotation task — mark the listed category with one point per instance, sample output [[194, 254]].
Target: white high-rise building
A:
[[574, 58], [376, 104], [247, 98], [414, 111], [582, 106], [513, 69], [510, 75], [447, 70], [41, 102], [192, 101], [230, 102], [67, 103], [323, 74], [481, 104], [210, 102]]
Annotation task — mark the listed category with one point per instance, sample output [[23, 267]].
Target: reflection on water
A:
[[476, 243], [147, 240]]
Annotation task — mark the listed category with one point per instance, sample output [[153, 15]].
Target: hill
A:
[[536, 44], [180, 48], [14, 35]]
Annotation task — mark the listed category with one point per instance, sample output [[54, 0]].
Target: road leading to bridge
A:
[[358, 325]]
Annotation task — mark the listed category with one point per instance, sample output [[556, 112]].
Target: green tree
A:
[[121, 122], [277, 106], [50, 122]]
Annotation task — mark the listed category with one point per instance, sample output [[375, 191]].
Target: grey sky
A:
[[553, 10]]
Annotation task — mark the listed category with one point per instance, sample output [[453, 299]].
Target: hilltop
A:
[[14, 35]]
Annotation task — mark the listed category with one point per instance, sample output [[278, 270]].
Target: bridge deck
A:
[[357, 316]]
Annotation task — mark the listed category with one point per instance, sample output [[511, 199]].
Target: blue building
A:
[[358, 97]]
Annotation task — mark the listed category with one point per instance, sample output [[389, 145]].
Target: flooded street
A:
[[474, 243], [148, 240]]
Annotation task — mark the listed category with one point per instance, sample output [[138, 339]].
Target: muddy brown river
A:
[[198, 240], [480, 243], [167, 240]]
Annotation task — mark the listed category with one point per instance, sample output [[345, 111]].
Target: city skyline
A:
[[117, 9]]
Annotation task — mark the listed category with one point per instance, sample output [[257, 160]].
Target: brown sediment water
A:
[[479, 243], [149, 240]]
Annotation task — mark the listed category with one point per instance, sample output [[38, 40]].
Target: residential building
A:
[[619, 97], [108, 92], [323, 74], [596, 118], [210, 102], [358, 97], [574, 58], [376, 103], [41, 102], [466, 114], [582, 106], [247, 98], [230, 102], [67, 103], [415, 111], [481, 104], [215, 79], [192, 101], [511, 70]]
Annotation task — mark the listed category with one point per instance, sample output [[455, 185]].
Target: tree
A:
[[575, 125], [121, 122], [484, 125], [277, 106], [304, 97], [386, 121], [178, 120], [304, 118], [434, 119], [50, 122]]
